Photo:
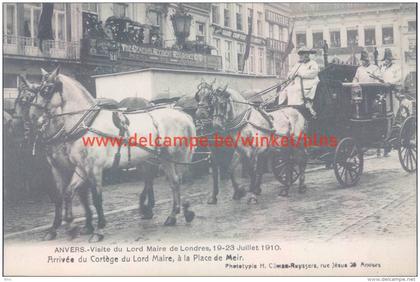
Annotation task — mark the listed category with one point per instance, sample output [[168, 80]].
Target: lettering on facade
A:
[[126, 51], [219, 31]]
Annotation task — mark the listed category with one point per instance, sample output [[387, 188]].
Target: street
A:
[[382, 205]]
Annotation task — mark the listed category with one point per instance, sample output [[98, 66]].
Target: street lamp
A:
[[181, 22]]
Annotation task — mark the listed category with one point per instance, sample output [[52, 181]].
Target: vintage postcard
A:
[[210, 139]]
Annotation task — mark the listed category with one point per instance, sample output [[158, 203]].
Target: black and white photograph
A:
[[210, 139]]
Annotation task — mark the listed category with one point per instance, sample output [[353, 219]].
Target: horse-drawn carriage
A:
[[358, 116]]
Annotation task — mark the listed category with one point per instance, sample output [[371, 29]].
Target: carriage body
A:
[[363, 111], [359, 116]]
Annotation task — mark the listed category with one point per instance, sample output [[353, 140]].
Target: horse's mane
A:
[[70, 82], [237, 101]]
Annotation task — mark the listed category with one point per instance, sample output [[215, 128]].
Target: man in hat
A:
[[391, 73], [303, 79], [367, 72]]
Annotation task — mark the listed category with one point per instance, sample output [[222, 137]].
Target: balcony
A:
[[276, 45], [111, 51], [29, 47]]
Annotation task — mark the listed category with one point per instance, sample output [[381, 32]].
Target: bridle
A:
[[218, 102]]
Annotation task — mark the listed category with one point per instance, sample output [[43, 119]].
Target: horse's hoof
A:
[[147, 214], [258, 191], [284, 193], [96, 237], [87, 230], [51, 235], [69, 220], [212, 201], [239, 194], [302, 189], [252, 200], [170, 221], [73, 232], [189, 216]]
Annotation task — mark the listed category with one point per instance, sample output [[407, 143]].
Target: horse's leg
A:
[[261, 166], [96, 189], [84, 200], [76, 183], [174, 183], [56, 194], [238, 192], [302, 167], [252, 166], [216, 180], [147, 193], [284, 192]]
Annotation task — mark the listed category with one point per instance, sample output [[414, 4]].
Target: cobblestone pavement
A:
[[382, 205]]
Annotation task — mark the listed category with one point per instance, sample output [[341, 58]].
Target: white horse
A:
[[231, 113], [63, 107]]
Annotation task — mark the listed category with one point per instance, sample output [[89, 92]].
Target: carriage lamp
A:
[[380, 102], [181, 22], [356, 98]]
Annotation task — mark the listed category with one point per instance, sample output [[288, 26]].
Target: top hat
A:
[[306, 50], [388, 55]]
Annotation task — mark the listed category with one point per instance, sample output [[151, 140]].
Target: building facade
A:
[[350, 27], [99, 38]]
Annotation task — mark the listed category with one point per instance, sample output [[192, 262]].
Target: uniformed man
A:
[[303, 79], [367, 72], [391, 73]]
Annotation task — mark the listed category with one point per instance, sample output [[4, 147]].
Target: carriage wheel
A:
[[348, 162], [285, 170], [407, 151]]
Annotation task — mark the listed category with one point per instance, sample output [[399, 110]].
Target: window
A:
[[252, 60], [120, 10], [412, 26], [412, 45], [335, 39], [59, 25], [90, 7], [240, 56], [318, 39], [259, 23], [300, 39], [270, 30], [250, 16], [9, 19], [217, 46], [260, 60], [201, 32], [31, 15], [9, 80], [228, 55], [215, 15], [155, 18], [239, 25], [387, 35], [370, 37], [352, 37], [226, 15], [271, 63]]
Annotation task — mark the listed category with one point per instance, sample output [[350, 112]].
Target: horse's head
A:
[[48, 99], [204, 96], [214, 104], [22, 122]]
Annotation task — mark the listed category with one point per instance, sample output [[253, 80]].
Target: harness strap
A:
[[151, 151]]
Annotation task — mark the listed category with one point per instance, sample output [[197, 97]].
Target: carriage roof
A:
[[338, 72]]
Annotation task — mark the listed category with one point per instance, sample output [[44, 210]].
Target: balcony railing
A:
[[27, 46], [113, 51], [276, 45]]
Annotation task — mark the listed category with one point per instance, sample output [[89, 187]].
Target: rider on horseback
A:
[[303, 79]]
